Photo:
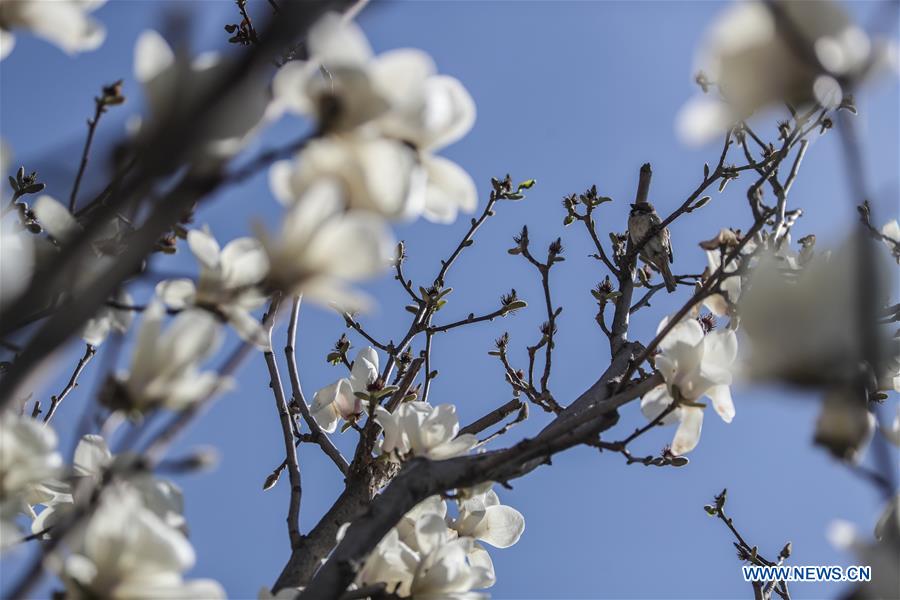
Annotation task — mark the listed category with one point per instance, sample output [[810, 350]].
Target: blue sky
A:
[[572, 94]]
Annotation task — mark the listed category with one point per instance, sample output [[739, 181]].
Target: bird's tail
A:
[[667, 276]]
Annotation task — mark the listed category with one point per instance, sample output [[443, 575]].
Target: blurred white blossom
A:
[[109, 319], [227, 283], [64, 23], [92, 458], [693, 365], [420, 429], [754, 62], [321, 246], [338, 400], [428, 556], [171, 83], [388, 114], [165, 365], [373, 173], [127, 552]]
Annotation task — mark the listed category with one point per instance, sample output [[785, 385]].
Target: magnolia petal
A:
[[323, 409], [391, 427], [365, 369], [205, 248], [401, 73], [152, 56], [280, 181], [55, 218], [243, 262], [450, 111], [449, 189], [702, 119], [688, 434], [721, 401], [356, 246], [92, 455], [501, 526], [891, 230], [688, 332], [177, 294], [336, 41], [483, 565], [248, 327], [655, 402], [456, 447], [97, 329], [289, 86]]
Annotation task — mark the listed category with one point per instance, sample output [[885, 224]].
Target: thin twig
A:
[[55, 401]]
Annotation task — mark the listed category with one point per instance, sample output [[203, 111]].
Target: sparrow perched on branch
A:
[[657, 251]]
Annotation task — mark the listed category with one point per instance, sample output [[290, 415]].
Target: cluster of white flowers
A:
[[92, 458], [430, 555], [382, 118], [756, 62], [65, 23], [133, 545], [127, 551], [412, 429], [165, 368], [693, 364], [419, 429]]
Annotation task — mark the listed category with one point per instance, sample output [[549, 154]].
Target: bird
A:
[[657, 251]]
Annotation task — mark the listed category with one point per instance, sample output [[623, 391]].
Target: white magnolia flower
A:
[[338, 400], [321, 246], [92, 457], [422, 557], [28, 459], [129, 553], [338, 86], [755, 64], [227, 283], [429, 112], [373, 173], [397, 94], [445, 569], [164, 368], [420, 429], [109, 319], [481, 516], [171, 84], [392, 562], [64, 23], [693, 365]]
